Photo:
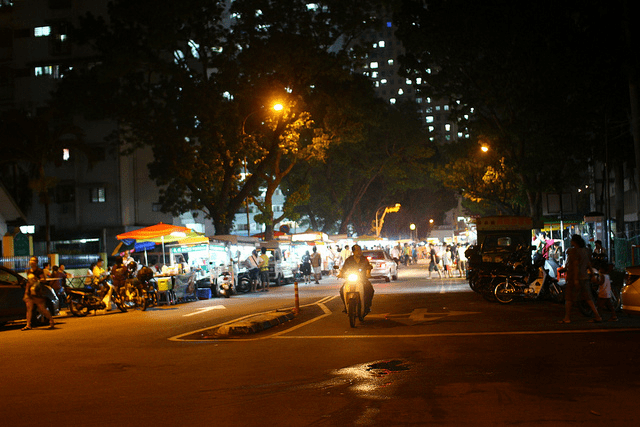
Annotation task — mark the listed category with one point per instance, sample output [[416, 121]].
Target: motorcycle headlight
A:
[[352, 277]]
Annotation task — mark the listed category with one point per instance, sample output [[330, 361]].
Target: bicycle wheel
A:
[[504, 292]]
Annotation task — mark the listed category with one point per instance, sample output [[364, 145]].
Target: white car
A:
[[630, 294], [383, 266]]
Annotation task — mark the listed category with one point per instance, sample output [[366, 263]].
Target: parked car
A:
[[630, 294], [12, 307], [383, 266]]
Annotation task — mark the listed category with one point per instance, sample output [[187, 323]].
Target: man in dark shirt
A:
[[356, 262]]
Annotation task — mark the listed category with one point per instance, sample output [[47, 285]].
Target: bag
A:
[[36, 289], [437, 259]]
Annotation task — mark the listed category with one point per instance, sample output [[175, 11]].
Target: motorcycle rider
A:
[[119, 274], [358, 262], [99, 283]]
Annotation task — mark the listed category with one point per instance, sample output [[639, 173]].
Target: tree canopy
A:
[[196, 82]]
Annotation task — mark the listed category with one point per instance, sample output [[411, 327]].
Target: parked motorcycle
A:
[[224, 284], [534, 282], [82, 300], [141, 291]]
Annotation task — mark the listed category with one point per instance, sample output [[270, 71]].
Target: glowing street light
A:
[[395, 208], [484, 148]]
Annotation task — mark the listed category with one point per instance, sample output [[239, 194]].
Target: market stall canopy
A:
[[311, 236], [275, 234]]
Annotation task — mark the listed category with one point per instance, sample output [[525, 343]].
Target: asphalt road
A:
[[432, 352]]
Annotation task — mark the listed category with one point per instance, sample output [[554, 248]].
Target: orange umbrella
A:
[[154, 232], [165, 232]]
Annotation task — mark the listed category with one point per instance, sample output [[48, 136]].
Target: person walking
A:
[[316, 264], [394, 253], [578, 286], [433, 261], [462, 260], [305, 267], [446, 261], [263, 263], [254, 269], [33, 293]]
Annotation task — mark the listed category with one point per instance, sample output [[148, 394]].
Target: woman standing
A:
[[578, 284], [33, 293]]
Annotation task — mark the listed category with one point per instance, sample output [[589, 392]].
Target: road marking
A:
[[205, 309], [459, 334], [421, 315]]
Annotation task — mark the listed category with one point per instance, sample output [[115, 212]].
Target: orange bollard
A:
[[296, 310]]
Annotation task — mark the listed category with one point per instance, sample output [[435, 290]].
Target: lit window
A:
[[400, 91], [374, 75], [428, 70], [431, 128], [42, 31], [459, 134], [419, 80], [377, 84], [390, 61], [383, 81], [447, 137], [388, 24], [65, 154], [466, 116], [437, 108], [227, 95], [408, 81], [446, 108], [47, 70], [418, 100], [471, 110], [381, 43], [373, 65], [447, 127], [392, 101], [98, 195], [429, 109], [429, 119], [428, 100]]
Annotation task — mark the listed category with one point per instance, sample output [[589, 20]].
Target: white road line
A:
[[459, 334], [205, 309]]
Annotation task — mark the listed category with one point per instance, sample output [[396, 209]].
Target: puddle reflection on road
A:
[[373, 380]]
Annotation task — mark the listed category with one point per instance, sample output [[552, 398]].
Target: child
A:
[[604, 292]]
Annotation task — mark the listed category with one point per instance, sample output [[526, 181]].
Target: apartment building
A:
[[91, 204]]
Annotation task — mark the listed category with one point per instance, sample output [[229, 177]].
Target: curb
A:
[[254, 324]]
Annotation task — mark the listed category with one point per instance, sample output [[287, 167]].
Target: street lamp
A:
[[395, 208], [412, 227]]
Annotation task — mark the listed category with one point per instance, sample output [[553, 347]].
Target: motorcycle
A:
[[354, 296], [140, 291], [532, 282], [82, 300]]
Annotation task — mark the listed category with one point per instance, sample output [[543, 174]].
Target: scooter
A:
[[354, 296], [224, 284]]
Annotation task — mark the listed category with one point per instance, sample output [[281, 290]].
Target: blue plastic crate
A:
[[204, 293]]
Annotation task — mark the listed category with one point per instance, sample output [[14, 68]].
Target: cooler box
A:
[[204, 293], [164, 284]]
